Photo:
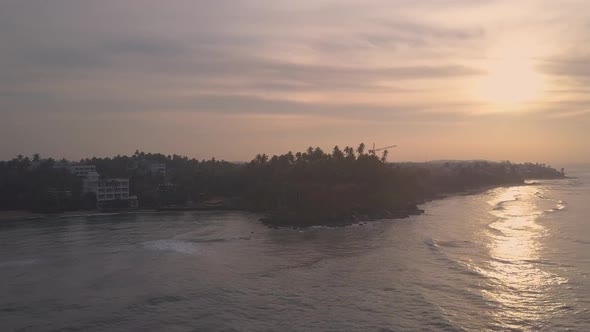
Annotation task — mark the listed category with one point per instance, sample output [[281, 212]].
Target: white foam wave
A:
[[561, 205], [174, 246]]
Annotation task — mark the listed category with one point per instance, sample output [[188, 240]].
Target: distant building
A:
[[108, 190], [78, 170], [166, 188], [91, 177], [133, 202], [81, 170], [157, 168], [145, 166]]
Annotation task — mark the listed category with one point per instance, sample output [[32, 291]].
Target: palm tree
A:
[[384, 156], [261, 159], [337, 153], [349, 152], [298, 157], [309, 153], [361, 149], [290, 157], [318, 154]]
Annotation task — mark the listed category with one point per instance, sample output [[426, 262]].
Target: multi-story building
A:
[[108, 190], [146, 166], [91, 177], [81, 170], [157, 168]]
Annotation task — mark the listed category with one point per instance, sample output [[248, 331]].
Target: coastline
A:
[[276, 221], [23, 215], [413, 209], [9, 215]]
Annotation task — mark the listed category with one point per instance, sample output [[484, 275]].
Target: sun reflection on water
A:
[[521, 286]]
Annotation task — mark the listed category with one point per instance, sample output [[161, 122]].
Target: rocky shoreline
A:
[[290, 220], [285, 218]]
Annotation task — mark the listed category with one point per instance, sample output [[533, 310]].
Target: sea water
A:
[[515, 258]]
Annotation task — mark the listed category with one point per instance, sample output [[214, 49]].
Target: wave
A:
[[182, 247], [187, 246], [561, 205], [540, 195], [328, 227], [495, 230], [431, 244], [238, 238], [458, 265], [545, 262], [18, 263], [502, 261], [500, 206], [467, 268], [575, 182], [451, 244]]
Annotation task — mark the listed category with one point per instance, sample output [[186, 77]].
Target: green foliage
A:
[[316, 186], [38, 186], [303, 188], [192, 180]]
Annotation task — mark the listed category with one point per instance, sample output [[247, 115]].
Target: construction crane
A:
[[374, 151]]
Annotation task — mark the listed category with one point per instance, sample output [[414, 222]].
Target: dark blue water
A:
[[508, 259]]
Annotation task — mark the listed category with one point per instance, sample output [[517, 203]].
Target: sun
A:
[[510, 81]]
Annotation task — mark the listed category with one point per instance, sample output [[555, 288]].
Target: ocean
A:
[[508, 259]]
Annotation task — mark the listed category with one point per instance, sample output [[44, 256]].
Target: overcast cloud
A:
[[189, 76]]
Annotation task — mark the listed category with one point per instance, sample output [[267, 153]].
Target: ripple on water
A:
[[464, 266], [19, 263], [183, 247]]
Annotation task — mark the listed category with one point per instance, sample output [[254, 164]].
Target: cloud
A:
[[115, 64], [573, 66], [375, 61]]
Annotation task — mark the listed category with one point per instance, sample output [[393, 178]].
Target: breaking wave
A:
[[182, 247]]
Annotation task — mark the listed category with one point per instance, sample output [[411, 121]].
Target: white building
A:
[[107, 189], [81, 170], [91, 177]]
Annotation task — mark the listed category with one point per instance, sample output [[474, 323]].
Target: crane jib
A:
[[387, 147]]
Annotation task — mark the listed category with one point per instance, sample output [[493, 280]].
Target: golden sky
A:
[[442, 79]]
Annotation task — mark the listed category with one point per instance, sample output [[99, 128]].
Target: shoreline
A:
[[412, 209], [24, 215], [384, 214]]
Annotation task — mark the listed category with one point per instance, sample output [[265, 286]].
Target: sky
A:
[[442, 79]]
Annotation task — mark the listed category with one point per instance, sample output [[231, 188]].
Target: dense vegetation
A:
[[306, 188], [344, 186], [39, 189]]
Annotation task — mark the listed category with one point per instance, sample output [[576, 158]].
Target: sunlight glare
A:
[[510, 80]]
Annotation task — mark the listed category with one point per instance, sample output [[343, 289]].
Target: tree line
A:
[[304, 188]]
